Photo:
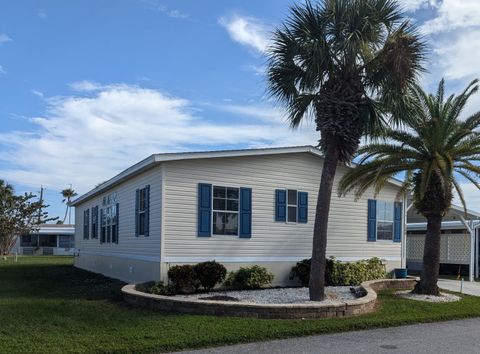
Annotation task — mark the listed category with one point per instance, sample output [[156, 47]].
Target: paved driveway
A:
[[455, 337], [470, 288]]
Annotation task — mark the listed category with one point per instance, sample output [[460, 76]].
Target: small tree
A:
[[19, 215]]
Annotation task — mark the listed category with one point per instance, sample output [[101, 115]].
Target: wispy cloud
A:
[[247, 31], [38, 93], [173, 13], [453, 14], [86, 85], [4, 38], [42, 14], [414, 5], [2, 70], [108, 128]]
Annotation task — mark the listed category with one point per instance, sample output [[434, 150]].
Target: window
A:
[[143, 211], [95, 222], [385, 213], [225, 210], [86, 220], [292, 203], [66, 241], [29, 241], [109, 222]]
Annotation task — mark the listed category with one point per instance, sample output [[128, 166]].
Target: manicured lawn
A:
[[47, 306]]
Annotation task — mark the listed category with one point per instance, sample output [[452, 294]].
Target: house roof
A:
[[57, 229], [156, 159]]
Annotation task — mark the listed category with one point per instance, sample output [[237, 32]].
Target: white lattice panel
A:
[[459, 248], [415, 245], [454, 248]]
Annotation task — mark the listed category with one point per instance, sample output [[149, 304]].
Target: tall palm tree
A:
[[68, 194], [345, 64], [434, 150]]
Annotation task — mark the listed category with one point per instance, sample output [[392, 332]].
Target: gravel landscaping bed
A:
[[444, 297], [334, 294]]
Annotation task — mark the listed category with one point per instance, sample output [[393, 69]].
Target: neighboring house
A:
[[459, 242], [238, 207], [48, 239]]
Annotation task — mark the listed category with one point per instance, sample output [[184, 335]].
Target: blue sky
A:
[[89, 88]]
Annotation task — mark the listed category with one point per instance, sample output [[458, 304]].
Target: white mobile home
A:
[[48, 239], [238, 207], [459, 242]]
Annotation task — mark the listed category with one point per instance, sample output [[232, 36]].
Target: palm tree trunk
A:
[[431, 258], [66, 213], [319, 248]]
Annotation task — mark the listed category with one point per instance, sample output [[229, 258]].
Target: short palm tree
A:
[[434, 150], [68, 194], [345, 64]]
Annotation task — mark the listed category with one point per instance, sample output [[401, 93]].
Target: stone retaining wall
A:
[[358, 306]]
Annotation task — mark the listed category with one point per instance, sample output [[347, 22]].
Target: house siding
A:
[[133, 258], [270, 241]]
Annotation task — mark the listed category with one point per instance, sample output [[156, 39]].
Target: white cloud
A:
[[457, 54], [247, 31], [85, 86], [453, 14], [174, 13], [414, 5], [4, 38], [471, 195], [37, 93], [88, 137], [2, 70], [42, 14]]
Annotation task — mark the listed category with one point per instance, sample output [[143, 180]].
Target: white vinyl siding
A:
[[149, 247], [264, 174]]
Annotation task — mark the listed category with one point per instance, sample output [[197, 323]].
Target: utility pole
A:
[[40, 209]]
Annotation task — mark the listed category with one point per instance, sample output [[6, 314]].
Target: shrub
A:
[[161, 289], [301, 271], [253, 277], [210, 274], [342, 273], [183, 279]]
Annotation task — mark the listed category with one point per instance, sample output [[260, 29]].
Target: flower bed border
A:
[[358, 306]]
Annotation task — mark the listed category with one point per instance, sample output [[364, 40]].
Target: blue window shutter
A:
[[397, 222], [118, 223], [280, 205], [245, 213], [137, 202], [204, 210], [147, 211], [302, 207], [372, 220]]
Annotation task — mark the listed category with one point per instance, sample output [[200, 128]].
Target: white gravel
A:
[[334, 294], [444, 297]]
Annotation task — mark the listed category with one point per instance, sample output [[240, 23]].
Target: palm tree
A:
[[345, 64], [68, 194], [434, 150]]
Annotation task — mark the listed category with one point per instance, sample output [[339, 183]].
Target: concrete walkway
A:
[[453, 337], [470, 288]]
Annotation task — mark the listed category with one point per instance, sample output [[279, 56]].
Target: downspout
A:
[[403, 259]]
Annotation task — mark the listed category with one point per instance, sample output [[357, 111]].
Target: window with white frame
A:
[[109, 221], [385, 215], [225, 210], [292, 205]]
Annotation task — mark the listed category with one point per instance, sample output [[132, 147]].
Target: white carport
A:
[[459, 240]]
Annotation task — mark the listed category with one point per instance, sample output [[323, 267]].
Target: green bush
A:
[[342, 273], [210, 274], [183, 279], [253, 277], [161, 289]]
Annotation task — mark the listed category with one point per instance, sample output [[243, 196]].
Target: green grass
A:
[[47, 306]]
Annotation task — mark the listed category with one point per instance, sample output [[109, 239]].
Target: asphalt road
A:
[[458, 337]]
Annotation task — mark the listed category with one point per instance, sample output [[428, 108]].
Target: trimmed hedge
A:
[[254, 277], [210, 274], [342, 273]]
